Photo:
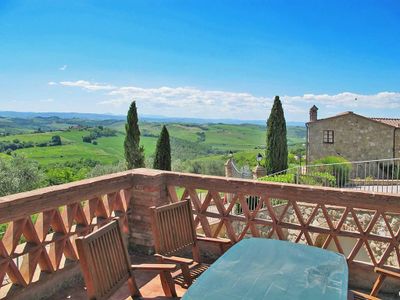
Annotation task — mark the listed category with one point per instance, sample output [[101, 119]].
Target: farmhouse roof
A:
[[389, 121], [392, 122]]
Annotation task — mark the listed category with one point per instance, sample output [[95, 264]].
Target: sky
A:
[[203, 59]]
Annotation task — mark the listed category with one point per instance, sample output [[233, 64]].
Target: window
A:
[[328, 137]]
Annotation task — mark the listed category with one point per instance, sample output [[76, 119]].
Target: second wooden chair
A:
[[174, 230]]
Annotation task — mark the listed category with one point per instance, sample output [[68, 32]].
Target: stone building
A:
[[352, 136]]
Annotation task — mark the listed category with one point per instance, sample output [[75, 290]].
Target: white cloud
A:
[[91, 86], [63, 68], [191, 101], [184, 96], [52, 83], [380, 100]]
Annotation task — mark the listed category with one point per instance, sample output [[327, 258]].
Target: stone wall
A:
[[355, 138], [397, 143]]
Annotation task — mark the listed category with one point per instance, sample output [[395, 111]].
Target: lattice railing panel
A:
[[45, 241], [365, 236]]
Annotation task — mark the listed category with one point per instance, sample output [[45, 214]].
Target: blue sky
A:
[[211, 59]]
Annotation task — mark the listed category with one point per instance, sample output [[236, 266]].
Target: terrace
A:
[[38, 257]]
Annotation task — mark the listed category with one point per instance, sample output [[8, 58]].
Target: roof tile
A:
[[388, 121]]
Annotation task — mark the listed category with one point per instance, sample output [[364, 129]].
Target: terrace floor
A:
[[148, 282]]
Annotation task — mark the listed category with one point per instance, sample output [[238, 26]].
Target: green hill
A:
[[188, 141]]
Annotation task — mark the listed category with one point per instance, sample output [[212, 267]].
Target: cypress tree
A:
[[162, 160], [276, 152], [134, 153]]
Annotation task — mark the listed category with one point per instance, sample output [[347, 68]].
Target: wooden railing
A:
[[38, 228], [365, 227]]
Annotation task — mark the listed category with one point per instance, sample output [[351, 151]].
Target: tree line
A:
[[9, 146], [98, 132]]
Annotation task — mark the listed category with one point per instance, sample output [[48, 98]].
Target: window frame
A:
[[328, 136]]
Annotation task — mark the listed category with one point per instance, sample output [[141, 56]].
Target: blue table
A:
[[259, 268]]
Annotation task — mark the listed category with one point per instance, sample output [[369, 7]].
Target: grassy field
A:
[[109, 150], [247, 140]]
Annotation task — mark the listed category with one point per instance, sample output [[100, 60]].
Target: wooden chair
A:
[[382, 274], [106, 267], [174, 230]]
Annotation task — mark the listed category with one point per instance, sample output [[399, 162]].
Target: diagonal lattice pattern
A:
[[364, 236], [44, 242]]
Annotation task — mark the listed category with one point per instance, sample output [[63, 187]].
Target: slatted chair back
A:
[[173, 227], [104, 261]]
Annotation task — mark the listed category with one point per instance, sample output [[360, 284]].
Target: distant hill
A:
[[145, 118], [62, 115], [17, 125], [188, 141]]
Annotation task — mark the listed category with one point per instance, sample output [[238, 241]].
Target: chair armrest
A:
[[387, 273], [154, 267], [361, 296], [214, 240], [164, 270], [175, 259]]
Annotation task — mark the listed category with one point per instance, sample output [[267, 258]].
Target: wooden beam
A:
[[308, 194]]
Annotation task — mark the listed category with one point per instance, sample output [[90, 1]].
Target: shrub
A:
[[69, 171], [369, 179], [285, 178], [59, 175], [206, 167], [201, 136], [28, 144], [7, 145], [318, 178], [63, 174], [101, 131], [100, 170], [292, 160], [336, 166], [19, 174], [55, 141], [209, 167], [43, 144], [87, 139]]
